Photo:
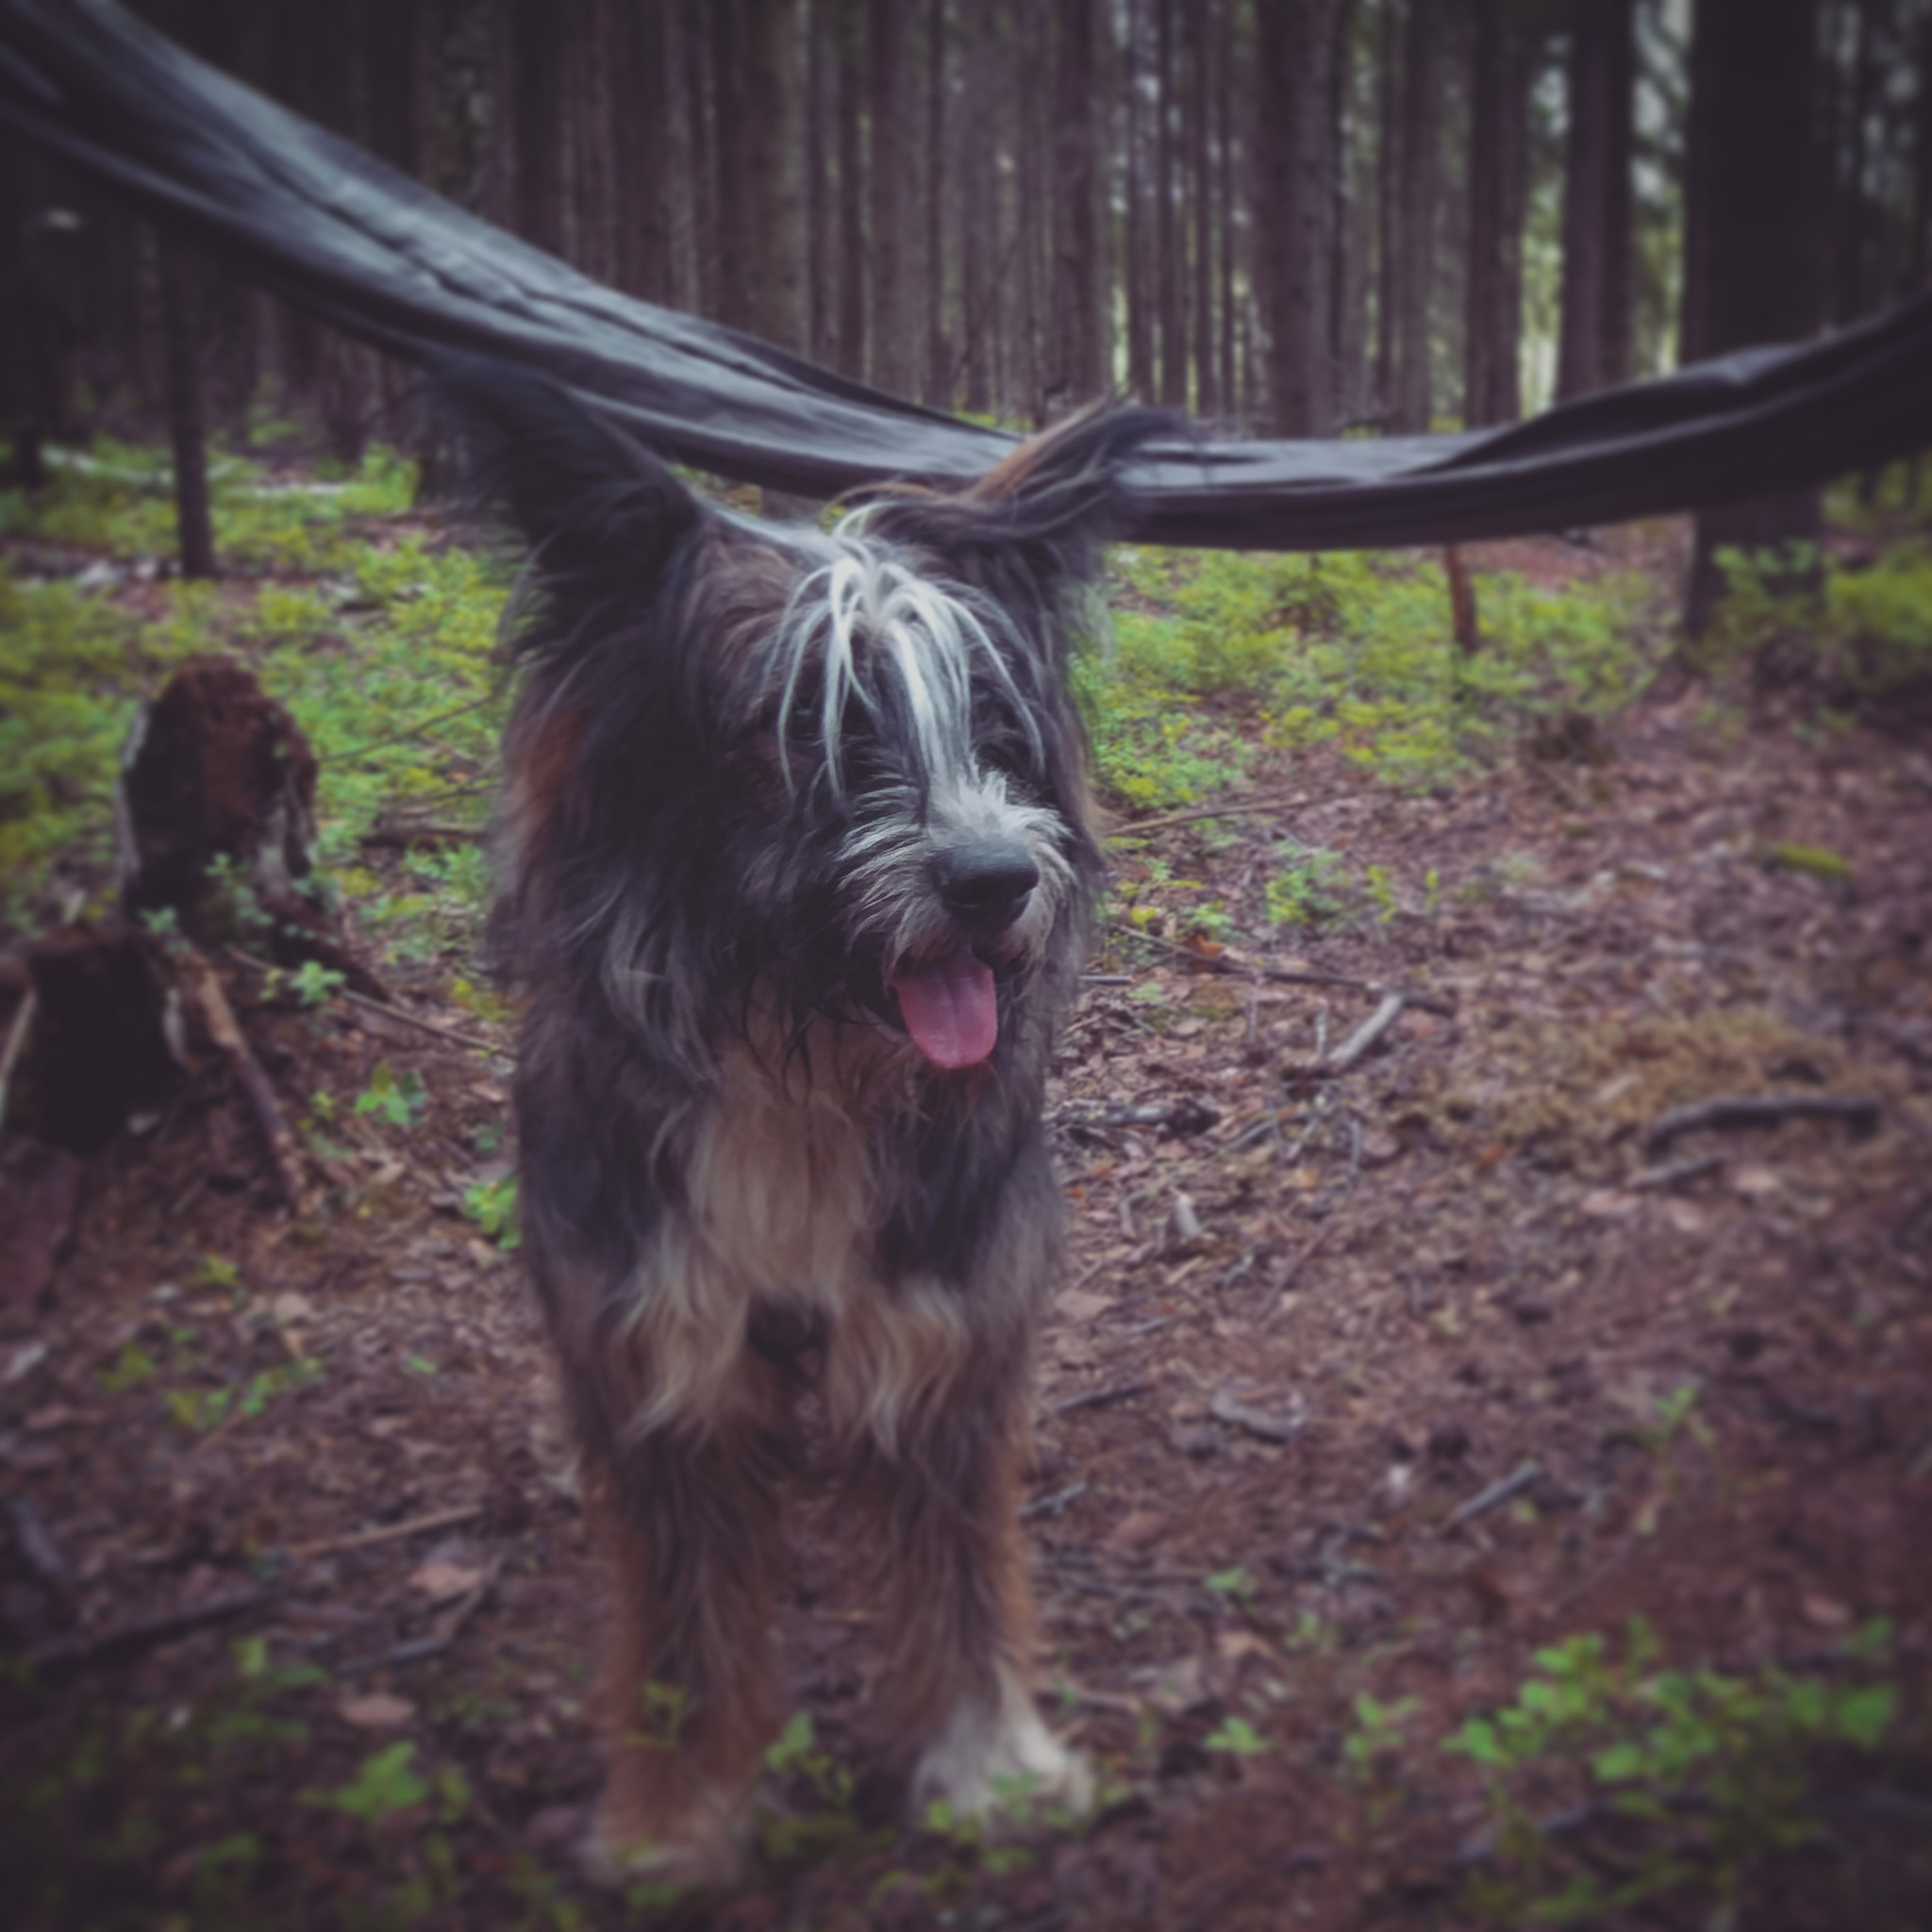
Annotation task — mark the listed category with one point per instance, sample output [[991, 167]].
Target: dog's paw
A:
[[700, 1852], [1004, 1757]]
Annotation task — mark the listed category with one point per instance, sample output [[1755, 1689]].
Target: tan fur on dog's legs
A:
[[689, 1533], [962, 1615]]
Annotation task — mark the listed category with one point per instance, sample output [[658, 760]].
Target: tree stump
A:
[[215, 821]]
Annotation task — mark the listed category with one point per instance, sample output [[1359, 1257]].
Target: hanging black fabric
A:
[[365, 248]]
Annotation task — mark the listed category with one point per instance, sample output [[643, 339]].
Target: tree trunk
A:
[[193, 526], [1201, 25], [1388, 206], [1170, 244], [849, 70], [1594, 344], [1295, 49], [1498, 184], [1421, 174], [1138, 241], [888, 162], [1758, 257], [937, 387]]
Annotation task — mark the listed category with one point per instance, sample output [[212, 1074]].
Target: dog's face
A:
[[756, 764]]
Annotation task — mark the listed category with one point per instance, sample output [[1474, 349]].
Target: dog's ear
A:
[[588, 501], [1032, 527]]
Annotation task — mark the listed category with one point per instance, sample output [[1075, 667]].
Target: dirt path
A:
[[1374, 1379]]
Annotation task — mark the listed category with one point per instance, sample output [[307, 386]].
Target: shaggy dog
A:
[[797, 872]]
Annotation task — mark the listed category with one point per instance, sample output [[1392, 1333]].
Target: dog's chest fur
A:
[[783, 1185]]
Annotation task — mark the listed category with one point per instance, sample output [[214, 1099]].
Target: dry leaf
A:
[[1235, 1644], [1137, 1530], [375, 1710], [439, 1581], [1609, 1204], [1082, 1304]]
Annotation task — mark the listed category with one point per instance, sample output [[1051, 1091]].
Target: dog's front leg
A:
[[688, 1526], [944, 1486]]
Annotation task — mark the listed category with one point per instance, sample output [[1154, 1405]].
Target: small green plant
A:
[[398, 1098], [1237, 1736], [1310, 888], [1694, 1775], [1380, 1732], [493, 1206], [1234, 1586], [315, 984]]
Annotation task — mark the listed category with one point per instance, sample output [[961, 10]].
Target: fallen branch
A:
[[1859, 1111], [1326, 1066], [1097, 1398], [83, 1648], [402, 834], [1237, 965], [1510, 1487], [204, 990], [1647, 1179], [1242, 809], [1053, 1504], [1256, 1421], [1183, 1116], [389, 1533], [17, 1035], [447, 1627], [475, 1041]]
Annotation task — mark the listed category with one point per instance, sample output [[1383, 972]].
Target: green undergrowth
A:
[[378, 639], [1612, 1784], [1868, 634], [1344, 650]]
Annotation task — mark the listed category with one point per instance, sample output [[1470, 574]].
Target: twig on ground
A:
[[1672, 1171], [1097, 1398], [390, 1013], [440, 1635], [1497, 1494], [1184, 1115], [1263, 1423], [401, 832], [1284, 1282], [1859, 1110], [1240, 808], [36, 1545], [1053, 1504], [81, 1647], [17, 1035], [388, 1533], [1364, 1037], [1237, 965]]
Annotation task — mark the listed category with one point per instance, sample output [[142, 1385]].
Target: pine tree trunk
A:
[[1594, 344], [1073, 370], [1420, 177], [1201, 25], [1758, 257], [1295, 51], [193, 526], [887, 164], [1498, 183], [1170, 239]]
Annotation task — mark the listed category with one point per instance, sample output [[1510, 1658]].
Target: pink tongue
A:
[[950, 1009]]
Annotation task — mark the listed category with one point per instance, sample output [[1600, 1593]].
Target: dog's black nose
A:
[[985, 884]]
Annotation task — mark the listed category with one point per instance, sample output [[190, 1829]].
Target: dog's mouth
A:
[[950, 1006]]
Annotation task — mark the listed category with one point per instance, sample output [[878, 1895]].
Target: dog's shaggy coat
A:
[[795, 877]]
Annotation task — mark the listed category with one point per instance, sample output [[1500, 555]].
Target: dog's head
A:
[[755, 764]]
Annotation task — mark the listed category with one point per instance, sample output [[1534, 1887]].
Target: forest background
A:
[[1298, 217]]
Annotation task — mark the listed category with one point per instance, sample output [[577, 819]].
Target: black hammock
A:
[[362, 247]]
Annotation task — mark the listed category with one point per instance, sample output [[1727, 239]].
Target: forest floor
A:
[[1391, 1390]]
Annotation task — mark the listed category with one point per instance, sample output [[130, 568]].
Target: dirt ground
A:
[[1377, 1373]]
